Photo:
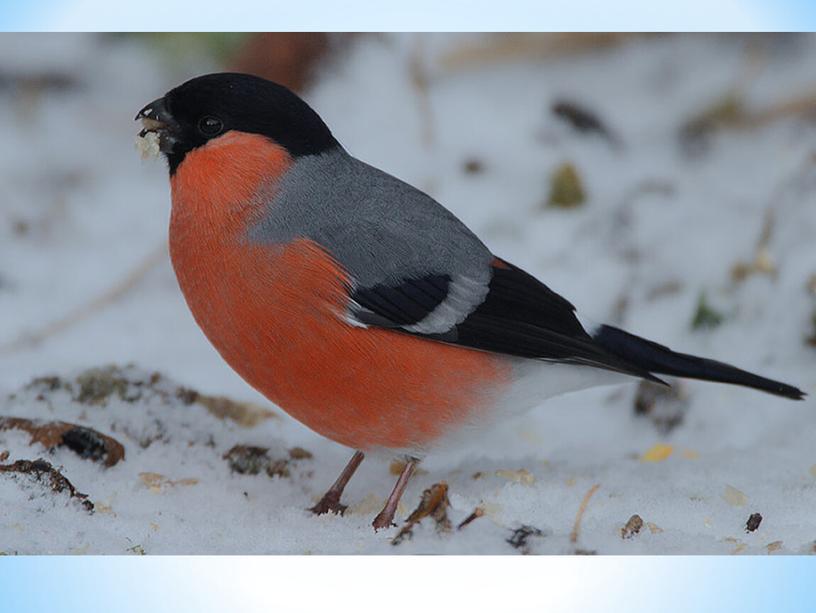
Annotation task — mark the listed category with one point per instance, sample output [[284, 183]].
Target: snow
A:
[[80, 211]]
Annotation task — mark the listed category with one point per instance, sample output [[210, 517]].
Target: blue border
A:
[[217, 584], [413, 15]]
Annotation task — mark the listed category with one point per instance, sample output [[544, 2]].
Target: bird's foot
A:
[[330, 503], [384, 519]]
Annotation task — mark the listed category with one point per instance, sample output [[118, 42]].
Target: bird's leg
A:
[[385, 518], [331, 499]]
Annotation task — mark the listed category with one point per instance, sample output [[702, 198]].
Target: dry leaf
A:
[[40, 469], [85, 442], [566, 188], [522, 476], [632, 527], [299, 453], [775, 546], [156, 482], [433, 503], [734, 497], [658, 453], [246, 414]]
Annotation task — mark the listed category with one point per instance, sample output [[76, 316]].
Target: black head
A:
[[206, 107]]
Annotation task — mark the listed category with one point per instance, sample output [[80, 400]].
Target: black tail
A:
[[662, 360]]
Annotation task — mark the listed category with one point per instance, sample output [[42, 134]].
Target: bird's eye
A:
[[210, 126]]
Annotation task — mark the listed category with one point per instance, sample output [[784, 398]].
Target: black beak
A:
[[155, 117]]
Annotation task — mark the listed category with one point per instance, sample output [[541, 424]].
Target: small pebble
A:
[[753, 522]]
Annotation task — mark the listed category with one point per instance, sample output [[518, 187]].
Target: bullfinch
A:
[[356, 302]]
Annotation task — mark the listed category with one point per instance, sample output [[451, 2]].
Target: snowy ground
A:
[[664, 220]]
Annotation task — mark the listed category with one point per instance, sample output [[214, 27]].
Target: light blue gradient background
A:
[[168, 584], [469, 15]]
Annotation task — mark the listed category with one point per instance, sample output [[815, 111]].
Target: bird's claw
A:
[[382, 521], [329, 504]]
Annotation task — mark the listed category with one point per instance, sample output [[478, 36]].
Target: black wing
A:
[[402, 304], [518, 316]]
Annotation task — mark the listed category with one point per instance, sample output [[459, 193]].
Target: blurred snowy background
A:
[[662, 183]]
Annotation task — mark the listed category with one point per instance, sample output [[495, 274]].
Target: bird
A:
[[356, 302]]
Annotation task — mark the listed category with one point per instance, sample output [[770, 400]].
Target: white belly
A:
[[534, 382]]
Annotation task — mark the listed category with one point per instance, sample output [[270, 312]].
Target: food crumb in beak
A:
[[147, 144]]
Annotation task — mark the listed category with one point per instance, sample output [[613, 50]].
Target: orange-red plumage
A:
[[276, 314]]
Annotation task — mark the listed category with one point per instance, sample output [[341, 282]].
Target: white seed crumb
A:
[[148, 145]]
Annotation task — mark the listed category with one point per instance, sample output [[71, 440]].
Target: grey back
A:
[[381, 229]]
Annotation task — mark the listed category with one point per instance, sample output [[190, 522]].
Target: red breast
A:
[[275, 313]]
